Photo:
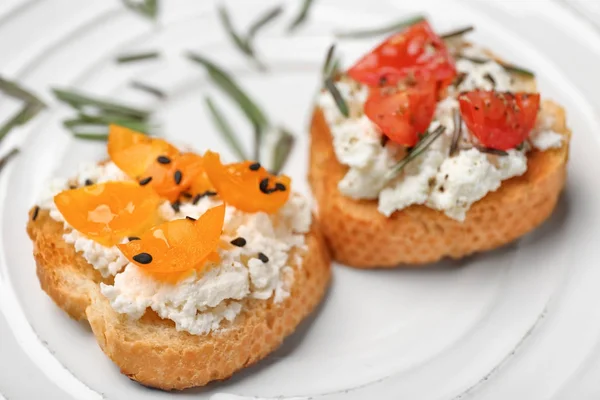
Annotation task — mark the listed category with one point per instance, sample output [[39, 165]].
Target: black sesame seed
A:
[[88, 182], [163, 160], [186, 195], [177, 176], [176, 206], [143, 258], [239, 242], [196, 199], [254, 167], [132, 238], [145, 181], [35, 213], [209, 193], [262, 257], [264, 186], [190, 218], [280, 186]]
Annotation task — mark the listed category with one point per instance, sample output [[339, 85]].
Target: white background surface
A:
[[518, 323]]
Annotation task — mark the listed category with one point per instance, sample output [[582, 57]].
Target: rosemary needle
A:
[[262, 22], [148, 89], [337, 96], [6, 158], [382, 30], [508, 67], [146, 8], [457, 32], [329, 59], [225, 129], [282, 150], [133, 57], [302, 16], [80, 100], [421, 146], [13, 89], [224, 81], [456, 134], [28, 112]]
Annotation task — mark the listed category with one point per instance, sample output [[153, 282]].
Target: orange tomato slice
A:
[[157, 163], [134, 152], [172, 250], [110, 211], [246, 185]]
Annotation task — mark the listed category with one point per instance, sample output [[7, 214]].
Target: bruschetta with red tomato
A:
[[430, 147]]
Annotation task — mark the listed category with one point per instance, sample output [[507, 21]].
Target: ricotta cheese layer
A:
[[262, 269], [434, 178]]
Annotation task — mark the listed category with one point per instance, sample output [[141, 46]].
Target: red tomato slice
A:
[[416, 51], [402, 114], [500, 121]]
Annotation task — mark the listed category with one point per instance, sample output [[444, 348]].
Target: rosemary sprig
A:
[[146, 8], [133, 57], [77, 124], [224, 81], [7, 157], [419, 148], [508, 67], [456, 134], [457, 32], [148, 89], [302, 16], [79, 100], [337, 96], [225, 129], [489, 150], [282, 150], [396, 26]]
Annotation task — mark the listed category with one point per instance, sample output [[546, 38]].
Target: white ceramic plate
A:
[[518, 323]]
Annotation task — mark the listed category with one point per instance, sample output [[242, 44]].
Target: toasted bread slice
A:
[[150, 350], [360, 236]]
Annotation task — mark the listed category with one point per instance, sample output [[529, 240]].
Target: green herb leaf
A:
[[419, 148], [77, 124], [13, 89], [103, 137], [132, 57], [329, 61], [489, 150], [262, 22], [302, 16], [148, 89], [282, 150], [6, 158], [457, 32], [456, 134], [224, 81], [397, 26], [79, 100], [225, 129], [242, 44], [508, 67], [146, 8], [337, 96], [28, 112]]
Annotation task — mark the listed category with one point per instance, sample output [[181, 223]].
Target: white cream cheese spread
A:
[[262, 269], [448, 184]]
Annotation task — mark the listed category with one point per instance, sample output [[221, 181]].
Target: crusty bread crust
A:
[[150, 350], [359, 236]]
